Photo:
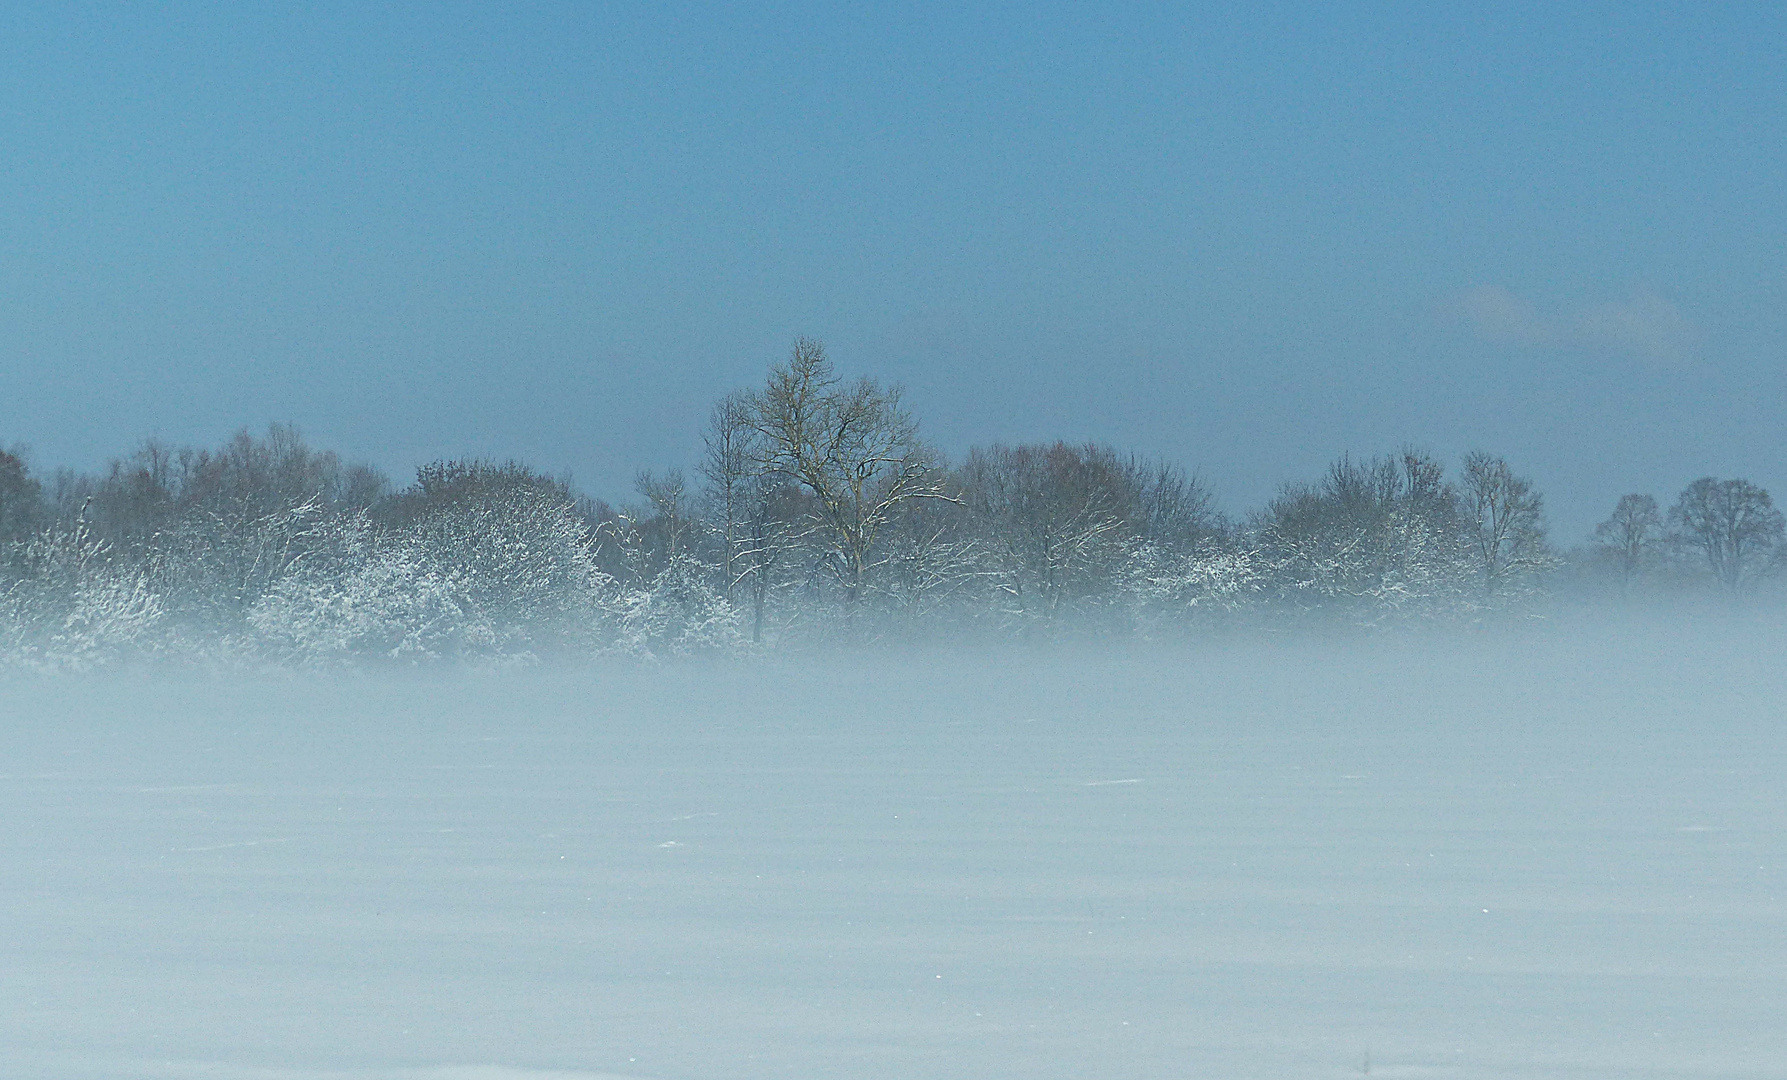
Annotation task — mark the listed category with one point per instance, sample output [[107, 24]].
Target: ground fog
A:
[[1544, 855]]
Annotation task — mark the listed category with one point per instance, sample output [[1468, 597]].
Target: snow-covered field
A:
[[1546, 858]]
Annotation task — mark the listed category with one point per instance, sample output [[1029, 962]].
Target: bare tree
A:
[[753, 506], [136, 501], [729, 464], [1509, 524], [768, 531], [1057, 515], [668, 498], [1174, 507], [21, 498], [1733, 524], [852, 446], [1630, 537]]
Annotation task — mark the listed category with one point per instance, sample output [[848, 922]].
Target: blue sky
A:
[[1246, 241]]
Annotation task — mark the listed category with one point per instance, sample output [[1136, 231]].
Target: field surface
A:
[[1545, 858]]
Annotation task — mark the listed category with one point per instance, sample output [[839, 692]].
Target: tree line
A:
[[817, 515]]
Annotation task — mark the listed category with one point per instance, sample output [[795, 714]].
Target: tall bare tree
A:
[[852, 446]]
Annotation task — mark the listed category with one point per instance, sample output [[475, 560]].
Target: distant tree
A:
[[1057, 515], [1508, 526], [1732, 524], [1373, 538], [246, 479], [1630, 538], [212, 528], [1173, 506], [250, 477], [473, 482], [511, 546], [21, 498], [137, 500], [939, 562], [768, 540], [1063, 527]]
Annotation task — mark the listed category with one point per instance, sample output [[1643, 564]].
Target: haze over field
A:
[[1557, 856]]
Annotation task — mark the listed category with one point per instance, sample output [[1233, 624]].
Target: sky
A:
[[1248, 241]]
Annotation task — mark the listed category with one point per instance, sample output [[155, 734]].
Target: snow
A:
[[1547, 857]]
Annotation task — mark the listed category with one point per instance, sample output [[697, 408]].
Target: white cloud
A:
[[1644, 327], [1496, 314]]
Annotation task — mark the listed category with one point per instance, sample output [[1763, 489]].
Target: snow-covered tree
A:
[[676, 612], [512, 550], [939, 571]]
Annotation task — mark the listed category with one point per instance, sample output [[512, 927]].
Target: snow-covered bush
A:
[[1165, 587], [211, 569], [507, 574], [677, 612], [66, 603], [360, 598]]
